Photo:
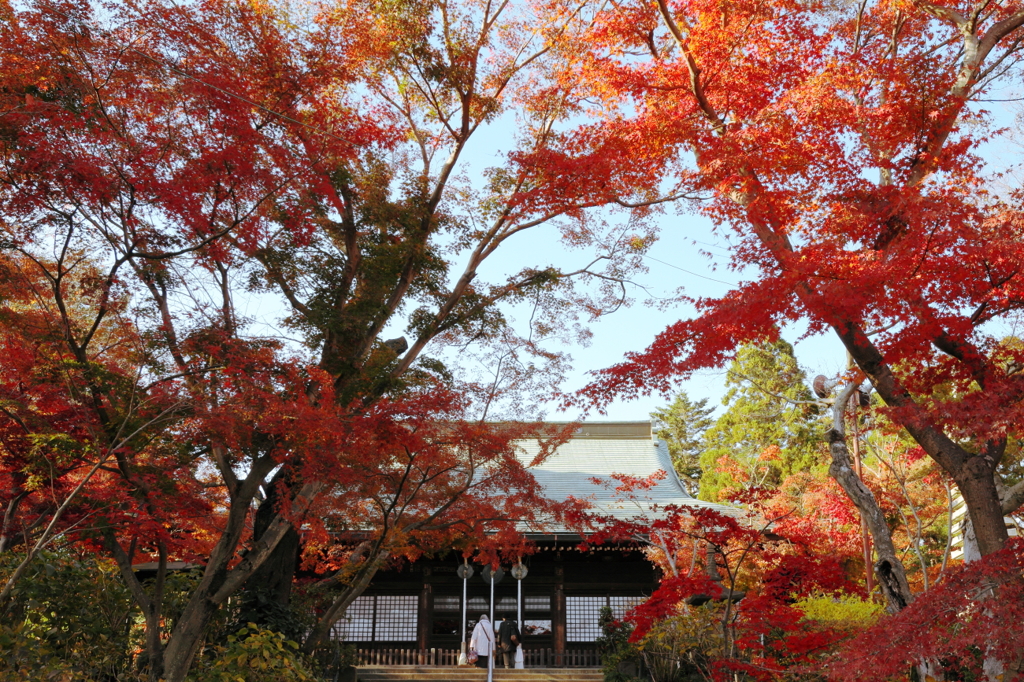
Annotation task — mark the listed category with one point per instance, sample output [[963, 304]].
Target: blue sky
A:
[[688, 256]]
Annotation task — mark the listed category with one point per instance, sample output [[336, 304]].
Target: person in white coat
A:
[[482, 640]]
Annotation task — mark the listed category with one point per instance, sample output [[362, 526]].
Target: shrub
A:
[[69, 618], [682, 647], [619, 658], [843, 612], [253, 654]]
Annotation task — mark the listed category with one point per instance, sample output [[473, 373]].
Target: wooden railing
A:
[[407, 656], [572, 658], [532, 658]]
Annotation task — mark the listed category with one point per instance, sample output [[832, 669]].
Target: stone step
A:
[[466, 677], [456, 677], [477, 678], [412, 673], [451, 673]]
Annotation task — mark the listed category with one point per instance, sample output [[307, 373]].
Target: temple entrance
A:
[[446, 613]]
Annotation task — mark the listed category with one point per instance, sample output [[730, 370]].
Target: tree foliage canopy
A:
[[839, 148], [173, 177]]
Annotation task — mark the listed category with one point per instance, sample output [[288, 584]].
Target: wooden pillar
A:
[[558, 607], [424, 610]]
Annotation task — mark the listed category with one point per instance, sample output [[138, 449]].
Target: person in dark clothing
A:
[[508, 640]]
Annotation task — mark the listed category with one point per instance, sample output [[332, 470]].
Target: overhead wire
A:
[[689, 272]]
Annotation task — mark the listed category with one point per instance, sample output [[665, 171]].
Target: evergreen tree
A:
[[682, 425], [770, 429]]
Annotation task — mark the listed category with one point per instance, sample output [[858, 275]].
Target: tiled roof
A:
[[600, 449]]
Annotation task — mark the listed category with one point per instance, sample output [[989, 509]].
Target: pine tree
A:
[[682, 425], [768, 431]]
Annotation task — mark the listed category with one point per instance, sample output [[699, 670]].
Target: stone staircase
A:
[[414, 673]]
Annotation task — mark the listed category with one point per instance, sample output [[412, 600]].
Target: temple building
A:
[[420, 606]]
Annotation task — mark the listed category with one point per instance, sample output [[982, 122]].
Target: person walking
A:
[[508, 640], [482, 640]]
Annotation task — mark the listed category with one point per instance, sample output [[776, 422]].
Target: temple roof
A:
[[599, 449]]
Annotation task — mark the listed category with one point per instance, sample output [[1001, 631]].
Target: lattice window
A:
[[583, 614], [622, 605], [357, 625], [581, 618], [443, 603], [478, 605], [379, 618], [505, 605], [542, 603], [396, 618]]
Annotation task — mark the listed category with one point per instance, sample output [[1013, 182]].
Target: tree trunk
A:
[[337, 609], [974, 474], [150, 604], [218, 583], [892, 576], [267, 592], [188, 634], [6, 531], [971, 551], [992, 667], [976, 481]]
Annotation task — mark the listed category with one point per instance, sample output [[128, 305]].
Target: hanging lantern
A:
[[487, 573]]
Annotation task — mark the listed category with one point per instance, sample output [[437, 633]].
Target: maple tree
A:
[[952, 627], [214, 157], [417, 487], [840, 147], [740, 588], [768, 439], [902, 496], [54, 448], [791, 561]]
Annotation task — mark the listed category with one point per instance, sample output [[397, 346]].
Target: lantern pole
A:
[[465, 571], [519, 604], [519, 572], [464, 581], [494, 648]]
